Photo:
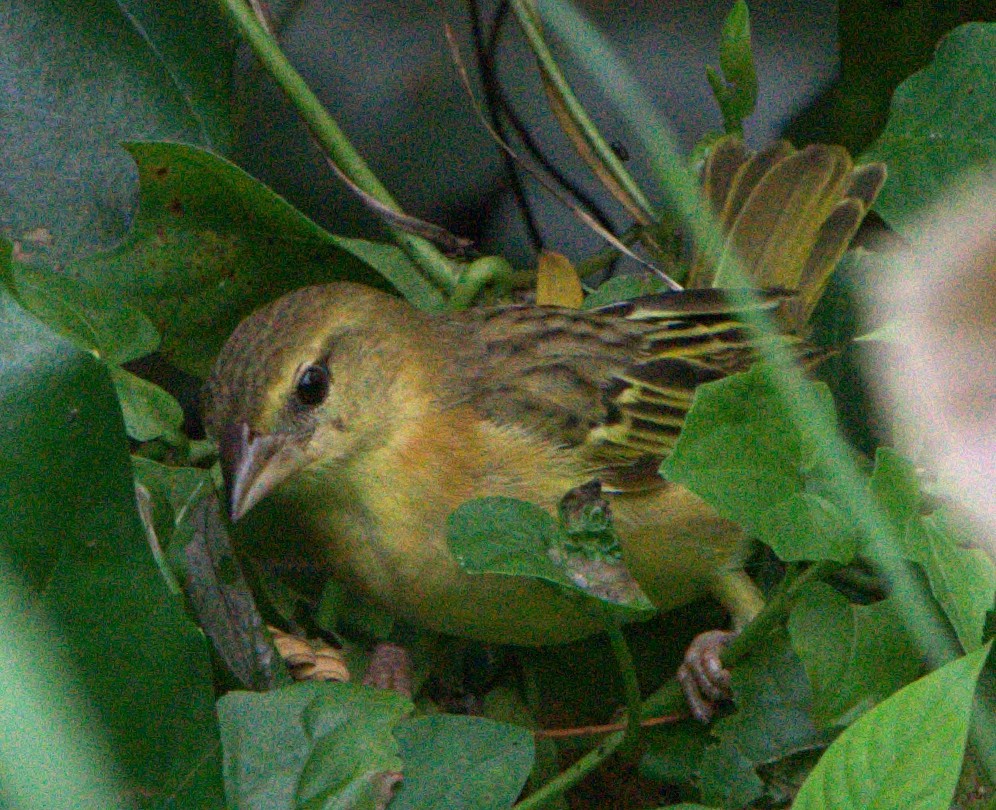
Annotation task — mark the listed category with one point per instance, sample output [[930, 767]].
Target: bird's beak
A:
[[252, 465]]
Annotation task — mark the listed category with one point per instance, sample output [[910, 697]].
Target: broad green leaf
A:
[[81, 78], [311, 745], [454, 762], [6, 267], [855, 655], [53, 749], [774, 705], [210, 244], [961, 576], [689, 806], [199, 554], [674, 752], [149, 411], [839, 317], [906, 752], [728, 778], [174, 491], [623, 288], [896, 488], [94, 319], [942, 125], [72, 534], [960, 573], [397, 268], [514, 538], [741, 451]]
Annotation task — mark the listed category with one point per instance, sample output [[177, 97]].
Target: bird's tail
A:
[[787, 216]]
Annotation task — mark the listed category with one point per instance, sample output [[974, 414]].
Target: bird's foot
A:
[[310, 660], [703, 678], [390, 667]]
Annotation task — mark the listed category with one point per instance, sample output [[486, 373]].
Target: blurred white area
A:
[[384, 71], [939, 368]]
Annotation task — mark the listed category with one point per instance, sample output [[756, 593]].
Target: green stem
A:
[[479, 273], [578, 771], [574, 774], [621, 741], [332, 139], [669, 699], [545, 765], [528, 20], [631, 687]]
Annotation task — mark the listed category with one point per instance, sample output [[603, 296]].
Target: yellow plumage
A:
[[368, 422]]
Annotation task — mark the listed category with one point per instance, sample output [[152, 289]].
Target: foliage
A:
[[90, 595]]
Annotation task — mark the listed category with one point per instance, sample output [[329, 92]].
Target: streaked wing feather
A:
[[615, 383]]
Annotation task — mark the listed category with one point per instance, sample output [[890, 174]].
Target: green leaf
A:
[[727, 778], [72, 534], [149, 411], [674, 751], [6, 267], [774, 705], [398, 269], [210, 244], [855, 655], [513, 538], [86, 77], [942, 125], [456, 762], [689, 806], [742, 452], [888, 332], [623, 288], [961, 575], [94, 319], [736, 90], [906, 752], [174, 492], [896, 489], [311, 745]]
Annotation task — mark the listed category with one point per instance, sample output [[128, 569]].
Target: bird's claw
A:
[[703, 678]]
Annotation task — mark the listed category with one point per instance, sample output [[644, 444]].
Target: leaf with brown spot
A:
[[211, 243]]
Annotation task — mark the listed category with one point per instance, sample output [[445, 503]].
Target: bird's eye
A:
[[313, 385]]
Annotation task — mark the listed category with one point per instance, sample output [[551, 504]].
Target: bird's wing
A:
[[613, 384], [616, 383]]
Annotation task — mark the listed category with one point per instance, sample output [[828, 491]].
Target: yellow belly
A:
[[398, 560]]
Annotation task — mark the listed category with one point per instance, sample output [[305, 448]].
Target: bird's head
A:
[[308, 379]]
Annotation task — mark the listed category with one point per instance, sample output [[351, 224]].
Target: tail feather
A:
[[778, 224], [747, 178], [787, 217]]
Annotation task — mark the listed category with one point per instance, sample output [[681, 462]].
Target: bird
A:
[[367, 422]]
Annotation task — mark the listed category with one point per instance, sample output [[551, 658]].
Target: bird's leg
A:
[[704, 679], [390, 667]]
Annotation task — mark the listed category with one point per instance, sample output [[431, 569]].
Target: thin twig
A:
[[334, 142], [525, 136], [494, 101], [581, 214], [605, 728]]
